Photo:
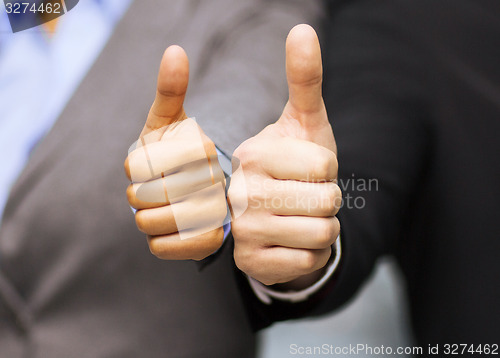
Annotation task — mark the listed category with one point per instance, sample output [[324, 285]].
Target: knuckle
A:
[[313, 260], [334, 164], [325, 165], [337, 201], [242, 259], [244, 234], [327, 200], [324, 257], [126, 167], [146, 223], [170, 92], [131, 195], [307, 261], [241, 152], [212, 241], [237, 229], [163, 251], [156, 248], [321, 165], [247, 153], [336, 230], [326, 230], [141, 221], [331, 199]]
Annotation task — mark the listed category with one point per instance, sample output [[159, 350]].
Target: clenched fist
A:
[[178, 187], [288, 179]]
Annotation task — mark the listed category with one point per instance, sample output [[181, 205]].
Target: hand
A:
[[178, 186], [288, 180]]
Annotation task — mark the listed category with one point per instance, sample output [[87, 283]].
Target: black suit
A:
[[413, 93]]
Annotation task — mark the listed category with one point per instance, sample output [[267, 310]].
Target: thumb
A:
[[173, 78], [304, 70]]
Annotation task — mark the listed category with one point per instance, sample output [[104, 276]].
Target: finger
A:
[[299, 160], [173, 247], [296, 198], [164, 157], [304, 69], [147, 195], [282, 264], [300, 232], [156, 221], [180, 145], [173, 78], [194, 214], [158, 192]]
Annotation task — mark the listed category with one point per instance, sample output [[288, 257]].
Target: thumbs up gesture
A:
[[288, 180], [177, 184]]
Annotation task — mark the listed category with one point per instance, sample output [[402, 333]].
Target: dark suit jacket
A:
[[413, 93], [76, 276]]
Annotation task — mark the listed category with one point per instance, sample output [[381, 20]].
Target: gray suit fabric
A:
[[76, 276]]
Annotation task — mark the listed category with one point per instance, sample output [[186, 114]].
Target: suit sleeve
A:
[[377, 96]]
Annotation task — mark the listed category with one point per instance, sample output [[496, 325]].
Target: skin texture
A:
[[177, 185], [292, 164]]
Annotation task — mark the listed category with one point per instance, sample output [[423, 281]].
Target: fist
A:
[[288, 178], [177, 184]]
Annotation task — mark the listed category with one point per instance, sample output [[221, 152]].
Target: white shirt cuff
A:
[[266, 294]]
